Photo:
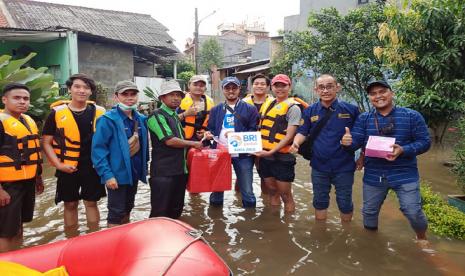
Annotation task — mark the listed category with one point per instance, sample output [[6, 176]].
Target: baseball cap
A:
[[197, 78], [229, 80], [382, 83], [281, 78], [170, 86], [125, 85]]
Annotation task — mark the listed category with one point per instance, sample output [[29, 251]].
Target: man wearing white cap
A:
[[168, 168], [193, 112]]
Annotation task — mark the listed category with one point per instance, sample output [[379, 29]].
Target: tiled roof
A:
[[132, 28], [3, 21]]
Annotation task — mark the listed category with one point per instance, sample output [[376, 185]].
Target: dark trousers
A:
[[167, 195]]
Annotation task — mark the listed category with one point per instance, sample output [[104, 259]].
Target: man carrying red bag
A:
[[226, 118]]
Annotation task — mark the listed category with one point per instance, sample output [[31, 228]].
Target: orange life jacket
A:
[[20, 153], [273, 124], [67, 139], [190, 127]]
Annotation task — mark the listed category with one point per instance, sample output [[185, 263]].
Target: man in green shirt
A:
[[168, 170]]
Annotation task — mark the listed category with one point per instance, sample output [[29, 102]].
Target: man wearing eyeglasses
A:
[[331, 163], [398, 171]]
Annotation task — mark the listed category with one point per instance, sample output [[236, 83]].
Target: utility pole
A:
[[196, 43], [196, 38]]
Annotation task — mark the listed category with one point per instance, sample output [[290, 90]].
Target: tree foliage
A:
[[211, 53], [424, 42], [166, 69], [340, 45], [44, 91]]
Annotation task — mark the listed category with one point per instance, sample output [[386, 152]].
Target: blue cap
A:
[[229, 80]]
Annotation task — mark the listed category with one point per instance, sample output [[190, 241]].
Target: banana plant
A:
[[44, 90]]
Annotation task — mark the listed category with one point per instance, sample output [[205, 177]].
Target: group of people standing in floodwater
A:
[[98, 152]]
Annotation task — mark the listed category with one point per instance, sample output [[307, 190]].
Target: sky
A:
[[178, 15]]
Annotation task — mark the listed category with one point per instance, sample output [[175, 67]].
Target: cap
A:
[[382, 83], [124, 86], [281, 78], [170, 86], [196, 78], [229, 80]]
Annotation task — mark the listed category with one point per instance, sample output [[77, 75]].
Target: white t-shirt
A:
[[228, 126]]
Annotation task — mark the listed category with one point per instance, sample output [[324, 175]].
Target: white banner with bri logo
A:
[[244, 142]]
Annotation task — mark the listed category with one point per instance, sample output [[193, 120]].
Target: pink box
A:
[[379, 146]]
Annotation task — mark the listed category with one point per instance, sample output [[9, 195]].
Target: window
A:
[[360, 2]]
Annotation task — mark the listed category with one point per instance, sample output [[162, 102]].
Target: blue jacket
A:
[[248, 114], [248, 122], [110, 148]]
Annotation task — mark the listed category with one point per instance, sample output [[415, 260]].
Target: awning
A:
[[29, 36], [254, 69]]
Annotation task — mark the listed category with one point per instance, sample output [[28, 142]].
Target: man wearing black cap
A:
[[398, 171]]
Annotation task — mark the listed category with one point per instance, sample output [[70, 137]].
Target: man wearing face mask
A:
[[120, 152]]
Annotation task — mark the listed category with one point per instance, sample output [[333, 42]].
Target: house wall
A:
[[53, 54], [299, 22], [144, 69], [104, 62]]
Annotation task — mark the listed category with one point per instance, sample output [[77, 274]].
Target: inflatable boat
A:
[[157, 246]]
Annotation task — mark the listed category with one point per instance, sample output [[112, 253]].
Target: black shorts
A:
[[20, 209], [82, 184], [282, 168]]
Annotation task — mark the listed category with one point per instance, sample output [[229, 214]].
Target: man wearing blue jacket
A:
[[120, 152], [232, 116]]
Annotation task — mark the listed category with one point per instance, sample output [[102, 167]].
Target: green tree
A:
[[424, 42], [211, 54], [340, 45], [166, 69], [44, 90]]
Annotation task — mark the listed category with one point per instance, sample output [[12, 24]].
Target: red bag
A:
[[209, 170]]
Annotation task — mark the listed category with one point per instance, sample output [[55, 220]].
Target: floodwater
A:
[[265, 241]]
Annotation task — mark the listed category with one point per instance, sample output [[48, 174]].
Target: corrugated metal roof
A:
[[131, 28]]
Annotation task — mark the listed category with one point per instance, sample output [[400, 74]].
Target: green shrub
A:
[[459, 166], [444, 220]]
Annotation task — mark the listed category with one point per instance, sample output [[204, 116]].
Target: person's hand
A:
[[197, 145], [263, 153], [347, 138], [66, 168], [294, 148], [4, 198], [396, 151], [191, 111], [207, 135], [39, 185], [360, 162], [112, 184], [227, 133]]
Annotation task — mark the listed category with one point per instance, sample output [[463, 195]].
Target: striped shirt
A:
[[410, 132]]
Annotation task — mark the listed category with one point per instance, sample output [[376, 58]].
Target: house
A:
[[241, 43], [108, 45], [299, 21]]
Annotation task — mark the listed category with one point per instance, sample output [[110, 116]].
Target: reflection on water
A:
[[265, 241]]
